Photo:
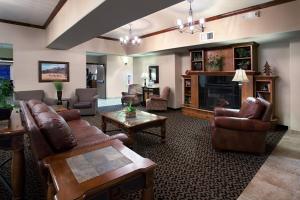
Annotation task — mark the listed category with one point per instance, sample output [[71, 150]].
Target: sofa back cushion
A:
[[39, 108], [252, 108], [56, 131], [33, 102]]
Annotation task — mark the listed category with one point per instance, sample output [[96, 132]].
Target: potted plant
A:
[[6, 90], [59, 87], [215, 63], [130, 111]]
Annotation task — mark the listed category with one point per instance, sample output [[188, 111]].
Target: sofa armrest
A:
[[243, 124], [157, 98], [70, 115], [218, 111], [123, 137]]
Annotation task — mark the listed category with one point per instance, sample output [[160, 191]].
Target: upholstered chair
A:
[[33, 94], [134, 95], [160, 103], [86, 100], [244, 129]]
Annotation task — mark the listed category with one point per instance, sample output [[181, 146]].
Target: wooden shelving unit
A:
[[245, 56], [187, 90], [264, 87], [197, 60]]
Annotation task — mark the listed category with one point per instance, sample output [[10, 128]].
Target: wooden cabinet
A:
[[245, 56], [191, 91], [264, 87], [197, 60]]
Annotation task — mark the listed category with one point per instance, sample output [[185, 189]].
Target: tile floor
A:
[[109, 102], [279, 176]]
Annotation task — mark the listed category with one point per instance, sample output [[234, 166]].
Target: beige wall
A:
[[276, 19], [278, 56], [29, 46], [116, 75], [168, 74], [295, 85]]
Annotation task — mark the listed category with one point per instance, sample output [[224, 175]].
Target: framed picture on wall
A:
[[50, 71], [154, 74]]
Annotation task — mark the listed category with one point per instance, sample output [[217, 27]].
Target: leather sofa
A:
[[53, 133], [242, 130]]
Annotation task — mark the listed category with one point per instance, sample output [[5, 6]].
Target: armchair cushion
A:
[[33, 102], [70, 115], [243, 124], [56, 131], [82, 105], [158, 98], [252, 108], [86, 94]]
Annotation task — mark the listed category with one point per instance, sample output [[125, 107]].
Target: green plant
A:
[[215, 63], [243, 52], [6, 90], [130, 108], [58, 85]]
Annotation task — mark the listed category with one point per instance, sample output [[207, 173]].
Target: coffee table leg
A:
[[148, 193], [17, 176], [163, 132], [103, 124], [129, 134]]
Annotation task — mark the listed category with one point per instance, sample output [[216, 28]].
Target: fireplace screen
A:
[[218, 91]]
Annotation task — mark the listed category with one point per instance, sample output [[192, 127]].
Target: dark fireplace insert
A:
[[218, 91]]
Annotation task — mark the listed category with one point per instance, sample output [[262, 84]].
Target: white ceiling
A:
[[166, 18], [28, 11]]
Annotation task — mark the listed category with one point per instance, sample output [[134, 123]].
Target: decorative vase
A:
[[59, 96], [130, 114], [5, 113]]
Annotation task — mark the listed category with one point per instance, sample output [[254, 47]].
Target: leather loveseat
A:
[[53, 133], [244, 129]]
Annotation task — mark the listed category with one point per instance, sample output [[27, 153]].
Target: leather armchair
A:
[[134, 95], [158, 102], [86, 100], [242, 130], [33, 94]]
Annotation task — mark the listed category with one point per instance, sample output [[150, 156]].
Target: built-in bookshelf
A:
[[245, 57], [197, 60], [187, 90], [265, 88]]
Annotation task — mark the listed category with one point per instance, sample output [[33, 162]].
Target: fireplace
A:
[[218, 91]]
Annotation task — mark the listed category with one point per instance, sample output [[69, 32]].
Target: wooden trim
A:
[[224, 15], [57, 8], [50, 18], [21, 24], [107, 38]]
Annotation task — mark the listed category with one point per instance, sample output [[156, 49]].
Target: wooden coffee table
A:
[[143, 120], [104, 170]]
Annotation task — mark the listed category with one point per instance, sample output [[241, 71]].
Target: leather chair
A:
[[244, 129], [159, 103], [33, 94], [134, 95], [86, 100], [53, 133]]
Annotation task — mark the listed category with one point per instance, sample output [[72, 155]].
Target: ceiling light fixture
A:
[[191, 25], [130, 38]]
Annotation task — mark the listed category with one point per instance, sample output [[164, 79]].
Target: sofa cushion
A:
[[252, 109], [56, 131], [33, 102], [70, 115], [81, 105], [39, 108], [75, 124]]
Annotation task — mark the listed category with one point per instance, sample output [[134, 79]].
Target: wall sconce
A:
[[240, 76], [125, 60]]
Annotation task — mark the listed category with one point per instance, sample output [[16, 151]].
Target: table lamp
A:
[[240, 76], [144, 76]]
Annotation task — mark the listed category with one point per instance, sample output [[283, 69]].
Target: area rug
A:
[[187, 166]]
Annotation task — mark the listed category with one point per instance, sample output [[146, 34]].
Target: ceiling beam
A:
[[57, 8], [109, 15]]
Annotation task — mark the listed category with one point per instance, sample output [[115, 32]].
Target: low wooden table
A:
[[12, 138], [74, 173], [143, 120]]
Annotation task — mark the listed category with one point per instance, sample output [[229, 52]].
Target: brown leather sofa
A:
[[244, 129], [53, 133]]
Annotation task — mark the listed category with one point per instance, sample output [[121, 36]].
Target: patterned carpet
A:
[[188, 167]]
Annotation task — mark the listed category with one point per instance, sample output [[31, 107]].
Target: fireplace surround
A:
[[218, 91]]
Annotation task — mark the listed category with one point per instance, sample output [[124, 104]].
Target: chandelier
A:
[[191, 26], [130, 38]]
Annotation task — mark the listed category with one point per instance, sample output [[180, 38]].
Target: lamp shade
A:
[[240, 76], [144, 75]]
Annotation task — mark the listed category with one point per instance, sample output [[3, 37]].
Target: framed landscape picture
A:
[[50, 71]]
